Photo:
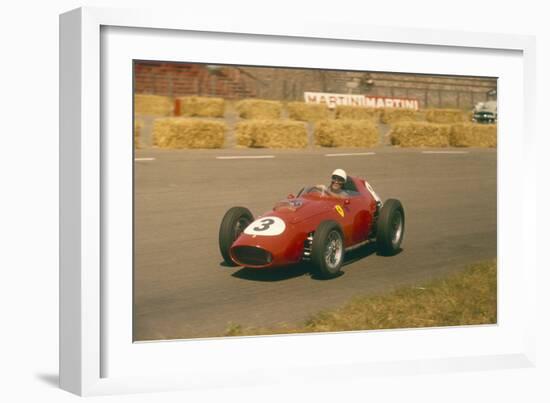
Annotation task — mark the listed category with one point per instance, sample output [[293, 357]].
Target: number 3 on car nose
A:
[[267, 226], [266, 222]]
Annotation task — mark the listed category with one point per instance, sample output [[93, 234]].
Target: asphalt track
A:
[[183, 290]]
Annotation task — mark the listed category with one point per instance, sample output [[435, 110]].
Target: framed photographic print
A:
[[244, 205]]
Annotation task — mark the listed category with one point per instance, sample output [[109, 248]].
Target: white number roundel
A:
[[268, 226]]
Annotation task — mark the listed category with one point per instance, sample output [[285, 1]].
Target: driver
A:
[[337, 180]]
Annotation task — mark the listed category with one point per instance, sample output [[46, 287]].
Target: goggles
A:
[[338, 179]]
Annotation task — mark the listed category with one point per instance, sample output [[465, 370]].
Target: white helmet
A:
[[340, 173]]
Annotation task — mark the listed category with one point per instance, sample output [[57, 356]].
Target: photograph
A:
[[270, 200]]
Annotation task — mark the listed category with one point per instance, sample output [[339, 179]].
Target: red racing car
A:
[[315, 226]]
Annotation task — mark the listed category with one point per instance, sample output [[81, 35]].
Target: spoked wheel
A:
[[327, 250], [233, 224], [390, 227], [333, 250]]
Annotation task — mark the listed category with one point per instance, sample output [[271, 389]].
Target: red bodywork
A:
[[301, 216]]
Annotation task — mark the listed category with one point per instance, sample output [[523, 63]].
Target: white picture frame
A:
[[96, 355]]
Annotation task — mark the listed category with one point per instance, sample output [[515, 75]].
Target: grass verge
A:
[[465, 298]]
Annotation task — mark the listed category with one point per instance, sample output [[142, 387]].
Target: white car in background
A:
[[485, 112]]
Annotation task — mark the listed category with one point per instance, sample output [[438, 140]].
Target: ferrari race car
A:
[[314, 226]]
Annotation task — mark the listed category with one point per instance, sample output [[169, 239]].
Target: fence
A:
[[232, 82]]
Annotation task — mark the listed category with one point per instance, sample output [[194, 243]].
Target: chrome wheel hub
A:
[[333, 250]]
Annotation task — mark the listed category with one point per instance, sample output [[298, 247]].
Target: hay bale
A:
[[444, 115], [138, 127], [420, 115], [188, 133], [200, 106], [356, 112], [153, 105], [346, 133], [258, 109], [420, 134], [394, 115], [307, 112], [271, 133], [473, 135]]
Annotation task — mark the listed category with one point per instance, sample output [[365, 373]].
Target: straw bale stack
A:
[[153, 105], [445, 115], [259, 109], [138, 127], [393, 115], [271, 134], [188, 133], [356, 112], [200, 106], [473, 135], [346, 133], [307, 112], [420, 134]]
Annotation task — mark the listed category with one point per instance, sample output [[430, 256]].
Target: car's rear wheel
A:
[[390, 227], [327, 250], [233, 224]]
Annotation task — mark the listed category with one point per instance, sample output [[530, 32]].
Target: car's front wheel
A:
[[233, 224], [327, 250], [390, 227]]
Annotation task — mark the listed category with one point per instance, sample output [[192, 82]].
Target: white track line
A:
[[445, 152], [144, 159], [238, 157], [347, 154]]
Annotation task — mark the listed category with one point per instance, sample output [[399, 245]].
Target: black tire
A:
[[327, 250], [233, 223], [390, 228]]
